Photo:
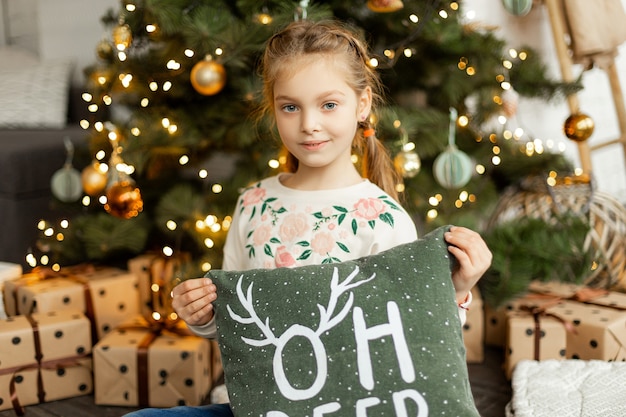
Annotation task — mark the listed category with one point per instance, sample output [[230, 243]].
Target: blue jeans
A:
[[211, 410]]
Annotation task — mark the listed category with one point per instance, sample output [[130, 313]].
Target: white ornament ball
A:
[[66, 184], [452, 168]]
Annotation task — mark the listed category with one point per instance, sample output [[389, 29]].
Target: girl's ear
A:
[[365, 104]]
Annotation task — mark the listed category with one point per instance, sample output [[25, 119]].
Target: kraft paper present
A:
[[56, 345], [600, 331], [496, 318], [581, 293], [139, 365], [8, 272], [474, 329], [156, 279], [114, 294], [533, 337], [107, 295], [559, 289]]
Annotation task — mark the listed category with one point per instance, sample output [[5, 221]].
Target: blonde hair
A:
[[331, 38]]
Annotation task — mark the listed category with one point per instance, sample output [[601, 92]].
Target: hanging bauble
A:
[[385, 6], [578, 127], [208, 77], [123, 200], [518, 7], [452, 168], [94, 180], [407, 163], [510, 100], [122, 36], [65, 184], [104, 50]]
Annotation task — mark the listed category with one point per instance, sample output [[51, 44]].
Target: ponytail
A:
[[377, 165]]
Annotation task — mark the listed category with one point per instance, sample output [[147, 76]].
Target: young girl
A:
[[321, 92]]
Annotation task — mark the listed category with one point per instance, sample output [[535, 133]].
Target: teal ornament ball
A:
[[518, 7], [452, 168], [66, 184]]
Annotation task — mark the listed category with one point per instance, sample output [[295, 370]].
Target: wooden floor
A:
[[491, 392]]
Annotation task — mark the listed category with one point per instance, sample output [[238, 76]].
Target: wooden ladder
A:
[[557, 22]]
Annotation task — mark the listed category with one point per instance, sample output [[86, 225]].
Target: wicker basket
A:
[[607, 219]]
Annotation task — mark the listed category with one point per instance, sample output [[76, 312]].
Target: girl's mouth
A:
[[313, 146]]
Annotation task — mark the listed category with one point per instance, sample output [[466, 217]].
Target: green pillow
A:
[[376, 336]]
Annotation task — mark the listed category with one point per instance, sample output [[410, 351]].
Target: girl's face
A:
[[317, 114]]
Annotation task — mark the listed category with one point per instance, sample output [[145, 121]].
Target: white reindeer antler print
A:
[[337, 288], [327, 321], [246, 302]]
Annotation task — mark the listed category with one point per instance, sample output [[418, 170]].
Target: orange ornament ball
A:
[[124, 200], [578, 127], [208, 77]]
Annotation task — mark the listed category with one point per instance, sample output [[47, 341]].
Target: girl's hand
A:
[[473, 256], [191, 299]]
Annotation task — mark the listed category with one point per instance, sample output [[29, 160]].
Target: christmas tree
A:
[[173, 137]]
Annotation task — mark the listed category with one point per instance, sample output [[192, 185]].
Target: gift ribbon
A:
[[51, 364], [155, 328]]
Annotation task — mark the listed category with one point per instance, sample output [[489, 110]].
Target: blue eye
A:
[[289, 108], [330, 106]]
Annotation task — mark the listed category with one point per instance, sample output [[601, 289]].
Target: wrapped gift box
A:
[[139, 364], [108, 296], [496, 320], [473, 330], [581, 293], [8, 272], [600, 331], [56, 345], [534, 337], [156, 279]]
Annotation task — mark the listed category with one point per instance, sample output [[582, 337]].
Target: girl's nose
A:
[[309, 122]]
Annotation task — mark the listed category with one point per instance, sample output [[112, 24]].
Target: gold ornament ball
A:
[[578, 127], [407, 163], [94, 180], [208, 77], [122, 36], [124, 200]]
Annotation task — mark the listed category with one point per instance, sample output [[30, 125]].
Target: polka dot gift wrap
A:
[[377, 336], [58, 344], [134, 366]]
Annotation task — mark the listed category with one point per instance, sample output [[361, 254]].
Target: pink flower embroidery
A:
[[262, 235], [369, 209], [284, 258], [293, 226], [253, 196], [323, 243]]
